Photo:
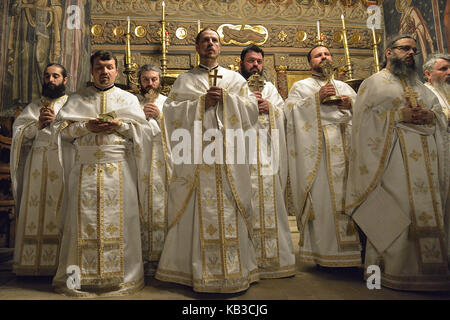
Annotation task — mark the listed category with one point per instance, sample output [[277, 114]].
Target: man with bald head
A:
[[398, 183], [209, 244], [318, 135]]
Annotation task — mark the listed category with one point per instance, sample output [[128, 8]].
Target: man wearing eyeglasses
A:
[[397, 184]]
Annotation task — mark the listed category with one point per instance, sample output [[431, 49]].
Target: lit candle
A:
[[198, 26], [343, 21], [128, 24], [163, 10], [318, 31]]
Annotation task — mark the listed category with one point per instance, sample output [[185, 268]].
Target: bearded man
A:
[[154, 226], [318, 136], [36, 186], [397, 184], [274, 249]]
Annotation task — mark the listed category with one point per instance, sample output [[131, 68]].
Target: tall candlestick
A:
[[197, 57], [319, 40], [346, 51], [375, 50], [163, 41], [128, 45]]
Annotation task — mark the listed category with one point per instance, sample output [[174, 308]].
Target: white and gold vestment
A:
[[37, 193], [209, 240], [154, 226], [318, 137], [405, 164], [273, 243], [104, 194]]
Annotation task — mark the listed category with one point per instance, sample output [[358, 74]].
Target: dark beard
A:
[[399, 68], [147, 89], [247, 75], [53, 93]]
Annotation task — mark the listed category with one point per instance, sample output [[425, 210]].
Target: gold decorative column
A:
[[282, 83]]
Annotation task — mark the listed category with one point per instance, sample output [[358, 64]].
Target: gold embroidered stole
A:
[[336, 137], [218, 207], [426, 229], [100, 211], [156, 223], [313, 154], [264, 200]]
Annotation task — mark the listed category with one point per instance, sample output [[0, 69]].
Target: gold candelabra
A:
[[354, 83], [375, 50], [164, 40], [130, 67], [197, 57]]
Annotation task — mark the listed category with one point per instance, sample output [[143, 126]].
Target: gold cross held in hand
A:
[[214, 77], [256, 82], [411, 95]]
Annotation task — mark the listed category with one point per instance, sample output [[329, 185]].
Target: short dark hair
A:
[[251, 48], [308, 56], [63, 70], [391, 43], [104, 56], [197, 38]]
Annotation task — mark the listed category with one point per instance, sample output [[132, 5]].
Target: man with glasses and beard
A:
[[397, 185], [318, 134], [274, 249], [154, 226], [36, 186]]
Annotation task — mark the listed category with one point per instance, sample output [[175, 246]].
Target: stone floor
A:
[[309, 283]]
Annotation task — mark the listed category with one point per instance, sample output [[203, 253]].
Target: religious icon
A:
[[328, 70]]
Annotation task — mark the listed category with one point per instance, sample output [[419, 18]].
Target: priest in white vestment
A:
[[101, 244], [274, 249], [318, 138], [154, 226], [36, 185], [209, 244], [437, 72], [397, 185]]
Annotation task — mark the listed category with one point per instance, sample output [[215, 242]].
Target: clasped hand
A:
[[263, 104], [213, 95], [46, 117], [417, 115], [151, 110], [98, 126]]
